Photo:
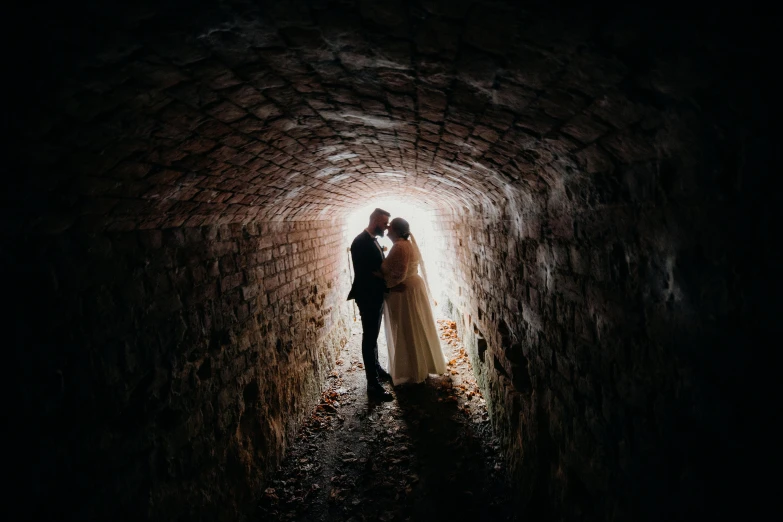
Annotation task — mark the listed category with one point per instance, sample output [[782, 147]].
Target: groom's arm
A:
[[397, 288], [357, 257], [360, 255]]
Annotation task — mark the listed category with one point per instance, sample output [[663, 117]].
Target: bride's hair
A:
[[401, 227]]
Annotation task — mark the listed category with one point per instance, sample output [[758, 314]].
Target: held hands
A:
[[399, 288]]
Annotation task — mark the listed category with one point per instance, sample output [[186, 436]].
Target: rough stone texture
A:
[[169, 115], [169, 370], [605, 168], [612, 328]]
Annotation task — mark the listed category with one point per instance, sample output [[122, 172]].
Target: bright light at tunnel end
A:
[[422, 227]]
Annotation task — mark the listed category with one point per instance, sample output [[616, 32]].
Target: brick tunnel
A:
[[174, 235]]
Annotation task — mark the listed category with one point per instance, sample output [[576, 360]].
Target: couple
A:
[[391, 287]]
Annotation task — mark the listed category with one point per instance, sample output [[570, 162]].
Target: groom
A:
[[368, 290]]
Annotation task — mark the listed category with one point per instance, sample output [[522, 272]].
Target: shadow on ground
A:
[[429, 454]]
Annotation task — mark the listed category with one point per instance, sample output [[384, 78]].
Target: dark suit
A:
[[368, 291]]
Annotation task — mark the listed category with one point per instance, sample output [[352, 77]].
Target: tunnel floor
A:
[[429, 454]]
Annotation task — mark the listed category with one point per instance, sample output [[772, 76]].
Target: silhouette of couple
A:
[[391, 287]]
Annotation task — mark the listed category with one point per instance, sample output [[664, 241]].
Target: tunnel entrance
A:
[[422, 218], [597, 180]]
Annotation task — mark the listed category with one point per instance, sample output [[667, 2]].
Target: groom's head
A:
[[379, 222]]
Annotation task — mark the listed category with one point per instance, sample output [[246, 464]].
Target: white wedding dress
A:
[[411, 335]]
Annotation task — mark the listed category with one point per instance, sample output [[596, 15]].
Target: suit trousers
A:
[[371, 311]]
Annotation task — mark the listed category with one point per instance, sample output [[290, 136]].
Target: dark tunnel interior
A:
[[178, 184]]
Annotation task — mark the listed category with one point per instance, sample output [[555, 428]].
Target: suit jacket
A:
[[367, 257]]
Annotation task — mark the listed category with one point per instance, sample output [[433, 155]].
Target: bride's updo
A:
[[401, 227]]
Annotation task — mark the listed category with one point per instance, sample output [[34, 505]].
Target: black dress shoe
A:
[[384, 375], [377, 392]]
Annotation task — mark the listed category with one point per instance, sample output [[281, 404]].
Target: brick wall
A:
[[600, 235], [614, 341], [164, 372]]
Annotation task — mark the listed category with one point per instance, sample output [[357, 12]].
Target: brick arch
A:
[[597, 176], [248, 112]]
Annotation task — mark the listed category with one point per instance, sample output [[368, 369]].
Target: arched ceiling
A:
[[173, 114]]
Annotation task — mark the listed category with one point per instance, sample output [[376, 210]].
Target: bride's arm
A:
[[395, 266]]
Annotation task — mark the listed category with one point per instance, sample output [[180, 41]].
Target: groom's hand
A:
[[399, 288]]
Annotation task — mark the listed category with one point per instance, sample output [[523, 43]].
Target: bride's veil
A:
[[421, 265]]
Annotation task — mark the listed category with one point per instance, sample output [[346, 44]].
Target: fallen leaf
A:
[[334, 495]]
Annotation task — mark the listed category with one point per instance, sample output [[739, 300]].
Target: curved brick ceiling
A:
[[294, 111]]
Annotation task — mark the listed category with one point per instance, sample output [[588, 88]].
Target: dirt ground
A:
[[428, 455]]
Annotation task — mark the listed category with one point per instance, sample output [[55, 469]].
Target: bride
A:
[[411, 336]]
